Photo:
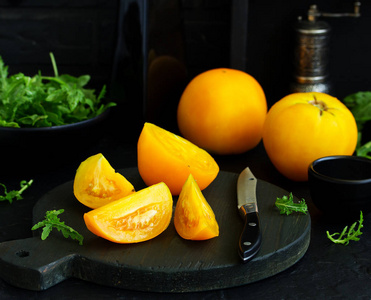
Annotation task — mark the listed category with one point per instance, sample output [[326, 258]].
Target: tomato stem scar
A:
[[320, 104]]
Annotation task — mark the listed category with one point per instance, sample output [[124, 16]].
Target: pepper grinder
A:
[[311, 52]]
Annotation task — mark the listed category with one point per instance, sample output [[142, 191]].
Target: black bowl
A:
[[340, 186], [46, 148]]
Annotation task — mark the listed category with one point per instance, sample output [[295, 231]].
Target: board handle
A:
[[31, 264]]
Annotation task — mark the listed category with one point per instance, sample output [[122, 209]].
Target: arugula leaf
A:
[[364, 150], [3, 74], [52, 221], [287, 206], [360, 106], [346, 236], [43, 101], [17, 194]]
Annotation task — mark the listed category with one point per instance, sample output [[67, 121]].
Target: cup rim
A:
[[314, 172]]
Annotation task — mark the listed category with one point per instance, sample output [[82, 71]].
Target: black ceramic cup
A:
[[340, 186]]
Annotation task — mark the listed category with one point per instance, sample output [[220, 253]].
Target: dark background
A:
[[115, 41]]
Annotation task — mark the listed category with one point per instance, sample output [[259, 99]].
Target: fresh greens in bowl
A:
[[44, 101]]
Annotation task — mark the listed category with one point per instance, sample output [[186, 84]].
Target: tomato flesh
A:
[[96, 183], [135, 218], [165, 156], [194, 219]]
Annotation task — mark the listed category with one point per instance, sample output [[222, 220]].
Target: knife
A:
[[250, 239]]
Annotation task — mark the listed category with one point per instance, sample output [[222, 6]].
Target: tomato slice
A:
[[165, 156], [96, 182], [194, 219], [135, 218]]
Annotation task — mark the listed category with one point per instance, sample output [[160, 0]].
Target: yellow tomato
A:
[[223, 111], [302, 127], [97, 183], [166, 157], [138, 217], [194, 218]]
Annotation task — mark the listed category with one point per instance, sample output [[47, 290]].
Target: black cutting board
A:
[[166, 263]]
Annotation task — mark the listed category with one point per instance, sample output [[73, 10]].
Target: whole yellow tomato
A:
[[223, 111], [302, 127]]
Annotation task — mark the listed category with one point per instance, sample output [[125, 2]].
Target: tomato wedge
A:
[[135, 218], [96, 182], [165, 156], [194, 219]]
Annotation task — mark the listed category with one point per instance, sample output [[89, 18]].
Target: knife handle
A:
[[250, 239]]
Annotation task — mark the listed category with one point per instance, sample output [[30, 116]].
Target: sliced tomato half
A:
[[97, 183], [135, 218]]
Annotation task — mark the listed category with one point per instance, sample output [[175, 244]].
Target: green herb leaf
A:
[[364, 150], [347, 235], [287, 206], [42, 101], [52, 221], [15, 194], [360, 106]]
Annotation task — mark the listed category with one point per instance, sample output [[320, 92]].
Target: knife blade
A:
[[250, 238]]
